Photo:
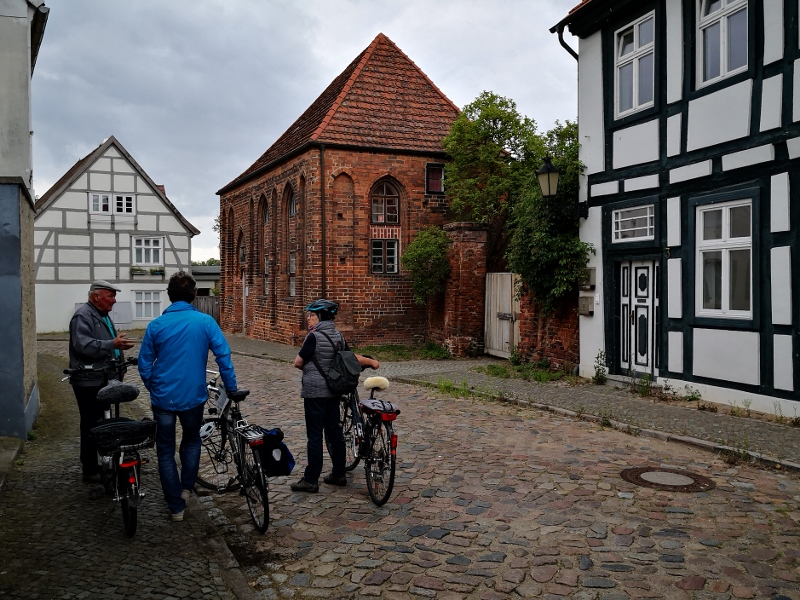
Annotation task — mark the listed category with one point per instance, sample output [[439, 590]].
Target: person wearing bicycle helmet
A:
[[93, 342], [320, 404]]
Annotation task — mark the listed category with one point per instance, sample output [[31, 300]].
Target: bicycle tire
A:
[[129, 512], [255, 489], [351, 425], [217, 467], [379, 462]]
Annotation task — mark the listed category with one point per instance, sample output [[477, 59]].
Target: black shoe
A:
[[331, 480], [304, 486]]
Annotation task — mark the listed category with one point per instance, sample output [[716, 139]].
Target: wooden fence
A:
[[208, 305]]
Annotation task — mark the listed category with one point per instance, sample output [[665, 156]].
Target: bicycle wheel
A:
[[255, 489], [217, 468], [127, 502], [379, 463], [350, 420]]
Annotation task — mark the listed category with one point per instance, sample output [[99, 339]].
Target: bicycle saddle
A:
[[238, 395], [376, 383]]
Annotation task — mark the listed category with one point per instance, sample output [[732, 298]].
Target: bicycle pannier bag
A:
[[344, 371], [276, 460]]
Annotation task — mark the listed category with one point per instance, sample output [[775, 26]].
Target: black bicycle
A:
[[118, 441], [231, 456], [369, 436]]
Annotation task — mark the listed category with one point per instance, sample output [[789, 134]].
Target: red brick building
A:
[[329, 208]]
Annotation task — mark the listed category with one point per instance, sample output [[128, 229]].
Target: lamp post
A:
[[548, 178]]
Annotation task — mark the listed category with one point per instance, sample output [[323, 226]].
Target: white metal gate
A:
[[501, 320]]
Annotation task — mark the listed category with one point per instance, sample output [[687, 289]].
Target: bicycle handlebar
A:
[[111, 364]]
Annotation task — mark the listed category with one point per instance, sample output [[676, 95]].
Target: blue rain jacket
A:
[[174, 353]]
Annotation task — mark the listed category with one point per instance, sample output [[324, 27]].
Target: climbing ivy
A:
[[425, 259]]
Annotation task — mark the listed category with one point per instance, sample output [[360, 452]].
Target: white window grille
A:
[[634, 224], [148, 251]]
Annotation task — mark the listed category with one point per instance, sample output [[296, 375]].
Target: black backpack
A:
[[344, 371]]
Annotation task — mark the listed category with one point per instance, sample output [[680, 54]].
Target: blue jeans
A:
[[322, 414], [171, 483]]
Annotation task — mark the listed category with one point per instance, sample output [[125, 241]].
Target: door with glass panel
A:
[[638, 316]]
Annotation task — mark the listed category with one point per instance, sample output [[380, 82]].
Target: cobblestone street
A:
[[492, 500]]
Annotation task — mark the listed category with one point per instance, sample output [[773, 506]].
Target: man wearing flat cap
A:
[[93, 341]]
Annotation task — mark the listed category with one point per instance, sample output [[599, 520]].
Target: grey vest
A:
[[314, 384]]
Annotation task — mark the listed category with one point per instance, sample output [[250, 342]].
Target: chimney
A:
[[161, 187]]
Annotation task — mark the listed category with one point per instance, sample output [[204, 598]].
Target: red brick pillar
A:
[[465, 295]]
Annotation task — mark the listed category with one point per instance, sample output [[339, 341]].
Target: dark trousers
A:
[[91, 413], [322, 415]]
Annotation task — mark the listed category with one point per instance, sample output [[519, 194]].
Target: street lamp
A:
[[548, 178]]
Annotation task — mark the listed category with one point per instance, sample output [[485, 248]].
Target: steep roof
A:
[[382, 100], [60, 186]]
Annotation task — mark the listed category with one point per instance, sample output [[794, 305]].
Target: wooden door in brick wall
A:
[[501, 320]]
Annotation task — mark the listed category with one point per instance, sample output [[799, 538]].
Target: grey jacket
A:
[[314, 384], [90, 343]]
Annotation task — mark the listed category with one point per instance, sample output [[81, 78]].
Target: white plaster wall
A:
[[179, 242], [592, 338], [81, 183], [673, 222], [121, 166], [123, 183], [751, 156], [40, 236], [727, 355], [151, 204], [148, 222], [73, 256], [50, 219], [771, 102], [604, 189], [720, 117], [66, 239], [105, 272], [74, 273], [779, 203], [773, 26], [781, 284], [107, 240], [124, 256], [590, 104], [692, 171], [101, 164], [112, 152], [675, 341], [641, 183], [47, 256], [636, 145], [730, 397], [783, 370], [674, 289], [105, 257], [674, 135], [76, 220], [674, 15], [70, 199], [45, 273], [99, 182], [170, 223]]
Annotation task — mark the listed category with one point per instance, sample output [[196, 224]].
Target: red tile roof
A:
[[381, 100]]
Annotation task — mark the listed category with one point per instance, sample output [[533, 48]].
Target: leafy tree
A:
[[545, 248], [493, 150], [206, 263], [425, 259]]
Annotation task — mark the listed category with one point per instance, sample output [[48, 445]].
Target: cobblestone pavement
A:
[[499, 500], [59, 540], [492, 500]]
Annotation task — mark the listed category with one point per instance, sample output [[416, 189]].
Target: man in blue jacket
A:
[[172, 363]]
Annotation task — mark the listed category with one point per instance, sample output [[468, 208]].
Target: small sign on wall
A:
[[586, 306]]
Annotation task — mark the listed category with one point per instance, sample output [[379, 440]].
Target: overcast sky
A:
[[197, 90]]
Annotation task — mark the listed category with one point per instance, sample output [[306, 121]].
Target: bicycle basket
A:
[[110, 435], [276, 460]]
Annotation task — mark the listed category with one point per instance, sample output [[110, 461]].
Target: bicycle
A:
[[119, 440], [369, 436], [227, 440]]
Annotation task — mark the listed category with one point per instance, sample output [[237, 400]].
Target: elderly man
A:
[[93, 342]]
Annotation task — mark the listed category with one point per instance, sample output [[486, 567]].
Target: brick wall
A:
[[376, 308], [553, 338]]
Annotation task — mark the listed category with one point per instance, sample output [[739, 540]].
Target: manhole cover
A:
[[671, 480]]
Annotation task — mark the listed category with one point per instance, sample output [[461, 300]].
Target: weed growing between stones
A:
[[600, 369], [708, 407], [737, 453], [692, 394], [779, 417]]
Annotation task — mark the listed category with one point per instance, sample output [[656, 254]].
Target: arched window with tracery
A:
[[385, 228]]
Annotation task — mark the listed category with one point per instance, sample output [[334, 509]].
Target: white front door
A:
[[638, 316]]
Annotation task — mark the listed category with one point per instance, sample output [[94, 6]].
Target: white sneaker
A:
[[178, 516], [185, 495]]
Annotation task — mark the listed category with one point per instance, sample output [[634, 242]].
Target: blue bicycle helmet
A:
[[326, 309]]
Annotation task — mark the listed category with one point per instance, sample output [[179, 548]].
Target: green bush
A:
[[425, 259]]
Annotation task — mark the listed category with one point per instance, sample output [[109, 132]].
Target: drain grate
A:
[[672, 480]]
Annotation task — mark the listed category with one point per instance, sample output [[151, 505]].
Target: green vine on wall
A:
[[425, 259]]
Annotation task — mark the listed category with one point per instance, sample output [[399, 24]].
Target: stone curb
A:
[[630, 429]]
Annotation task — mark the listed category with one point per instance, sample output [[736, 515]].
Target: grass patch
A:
[[397, 352], [537, 371]]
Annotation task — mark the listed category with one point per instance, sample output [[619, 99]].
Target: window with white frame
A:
[[148, 251], [124, 204], [100, 203], [635, 49], [385, 204], [147, 305], [292, 272], [724, 268], [721, 38], [384, 255], [633, 224]]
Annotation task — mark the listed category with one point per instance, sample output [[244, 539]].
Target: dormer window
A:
[[722, 39], [635, 47]]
